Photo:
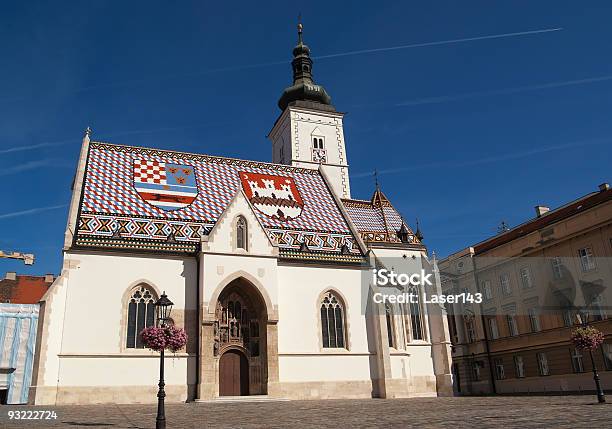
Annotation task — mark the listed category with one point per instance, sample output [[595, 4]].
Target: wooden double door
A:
[[233, 374]]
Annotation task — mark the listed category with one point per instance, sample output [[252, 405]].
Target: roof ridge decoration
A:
[[198, 156]]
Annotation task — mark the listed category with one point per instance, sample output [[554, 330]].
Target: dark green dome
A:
[[304, 91]]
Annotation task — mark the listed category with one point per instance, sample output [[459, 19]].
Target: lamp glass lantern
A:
[[163, 307]]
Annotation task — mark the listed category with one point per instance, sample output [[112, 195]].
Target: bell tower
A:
[[309, 132]]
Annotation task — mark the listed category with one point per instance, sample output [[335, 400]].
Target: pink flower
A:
[[587, 338], [167, 338]]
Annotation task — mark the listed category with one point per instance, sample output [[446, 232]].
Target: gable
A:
[[222, 238]]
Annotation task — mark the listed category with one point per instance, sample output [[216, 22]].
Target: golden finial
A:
[[300, 27]]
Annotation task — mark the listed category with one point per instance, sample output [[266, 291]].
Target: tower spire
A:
[[304, 91]]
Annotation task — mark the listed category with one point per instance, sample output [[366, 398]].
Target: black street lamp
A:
[[583, 319], [163, 307]]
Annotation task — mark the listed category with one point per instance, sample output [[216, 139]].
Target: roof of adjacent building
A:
[[22, 289], [117, 209], [573, 208], [378, 221]]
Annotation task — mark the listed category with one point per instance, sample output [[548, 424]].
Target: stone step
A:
[[247, 398]]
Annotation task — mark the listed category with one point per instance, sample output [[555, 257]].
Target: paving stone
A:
[[464, 412]]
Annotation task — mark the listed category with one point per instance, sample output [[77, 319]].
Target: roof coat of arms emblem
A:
[[274, 196], [165, 185]]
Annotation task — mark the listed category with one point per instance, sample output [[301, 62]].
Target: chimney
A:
[[541, 210], [11, 275], [48, 278], [604, 187]]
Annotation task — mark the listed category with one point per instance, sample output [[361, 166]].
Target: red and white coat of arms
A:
[[274, 196]]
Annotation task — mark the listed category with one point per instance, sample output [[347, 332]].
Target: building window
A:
[[476, 371], [470, 330], [493, 328], [526, 278], [282, 154], [534, 319], [500, 374], [606, 350], [332, 321], [512, 326], [542, 364], [390, 330], [519, 366], [486, 290], [416, 321], [577, 363], [317, 143], [140, 315], [557, 267], [504, 282], [587, 260], [597, 308], [241, 233]]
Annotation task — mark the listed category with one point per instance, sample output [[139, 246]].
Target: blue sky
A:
[[465, 133]]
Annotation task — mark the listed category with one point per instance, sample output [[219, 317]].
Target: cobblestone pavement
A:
[[505, 412]]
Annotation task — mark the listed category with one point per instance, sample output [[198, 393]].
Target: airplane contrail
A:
[[503, 91], [318, 57], [33, 146], [486, 160], [26, 166], [31, 211], [440, 42]]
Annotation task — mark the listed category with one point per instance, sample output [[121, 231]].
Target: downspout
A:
[[198, 321], [485, 331]]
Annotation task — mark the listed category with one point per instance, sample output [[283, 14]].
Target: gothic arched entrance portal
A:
[[233, 374], [240, 340]]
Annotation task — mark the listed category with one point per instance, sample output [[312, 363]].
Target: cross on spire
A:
[[376, 179], [300, 28]]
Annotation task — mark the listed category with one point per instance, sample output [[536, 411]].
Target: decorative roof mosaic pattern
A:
[[377, 220], [163, 200]]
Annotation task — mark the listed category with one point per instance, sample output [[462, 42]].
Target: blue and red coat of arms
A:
[[165, 185]]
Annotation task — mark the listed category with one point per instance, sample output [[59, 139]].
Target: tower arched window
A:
[[332, 321], [140, 315], [241, 233], [318, 142], [390, 326], [416, 318]]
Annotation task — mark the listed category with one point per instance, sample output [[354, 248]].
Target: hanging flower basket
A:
[[167, 338], [587, 338]]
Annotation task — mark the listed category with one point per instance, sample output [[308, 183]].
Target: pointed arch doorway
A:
[[240, 340]]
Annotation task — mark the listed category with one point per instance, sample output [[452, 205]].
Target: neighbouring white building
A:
[[265, 264]]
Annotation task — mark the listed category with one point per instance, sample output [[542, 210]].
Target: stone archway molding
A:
[[271, 310]]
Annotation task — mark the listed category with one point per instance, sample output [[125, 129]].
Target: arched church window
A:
[[317, 142], [140, 315], [390, 330], [332, 321], [241, 233], [416, 319]]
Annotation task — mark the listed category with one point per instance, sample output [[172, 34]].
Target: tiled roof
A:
[[24, 289], [551, 217], [116, 212], [377, 220]]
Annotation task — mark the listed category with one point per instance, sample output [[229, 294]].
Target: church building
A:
[[265, 263]]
